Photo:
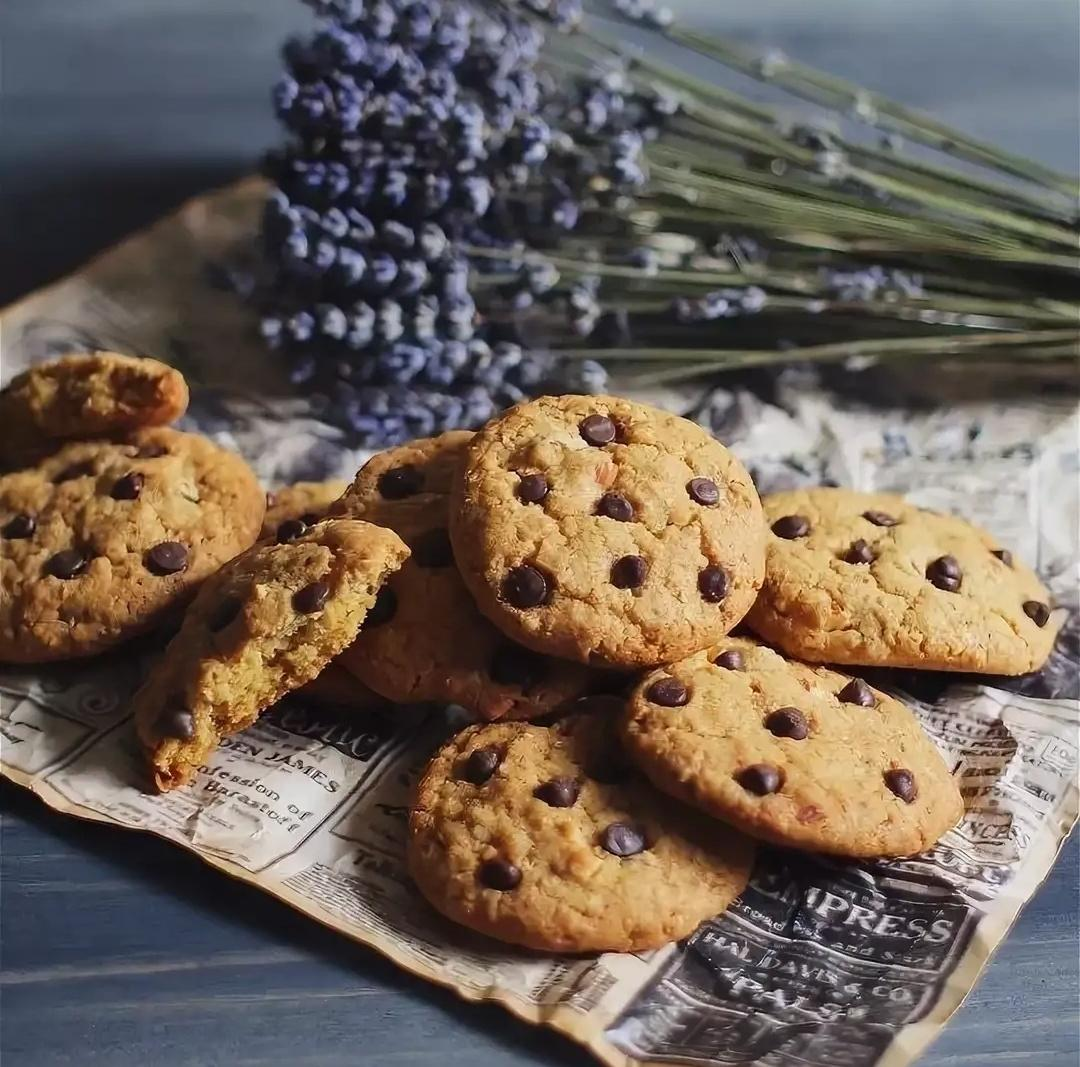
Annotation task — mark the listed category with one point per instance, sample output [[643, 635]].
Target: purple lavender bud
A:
[[300, 327], [361, 228], [332, 322], [564, 214], [271, 329], [324, 255], [335, 223], [350, 267], [382, 270], [361, 327]]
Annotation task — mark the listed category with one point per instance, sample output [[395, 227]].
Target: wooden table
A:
[[117, 949]]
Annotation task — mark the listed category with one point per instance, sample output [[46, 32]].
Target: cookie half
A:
[[293, 508], [264, 625], [102, 540], [427, 641], [606, 531], [867, 578], [797, 755], [543, 837], [86, 395]]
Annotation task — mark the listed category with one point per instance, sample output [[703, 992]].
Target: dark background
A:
[[118, 949]]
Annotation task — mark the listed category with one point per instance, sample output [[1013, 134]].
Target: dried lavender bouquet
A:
[[481, 200]]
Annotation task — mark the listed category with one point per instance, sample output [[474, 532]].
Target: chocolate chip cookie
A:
[[867, 578], [103, 539], [292, 509], [797, 755], [264, 625], [541, 837], [606, 531], [89, 394], [427, 641]]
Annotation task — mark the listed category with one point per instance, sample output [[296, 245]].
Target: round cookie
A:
[[101, 540], [86, 394], [867, 578], [267, 623], [429, 642], [800, 756], [293, 508], [538, 836], [606, 531]]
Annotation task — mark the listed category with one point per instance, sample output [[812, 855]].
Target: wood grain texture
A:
[[119, 950]]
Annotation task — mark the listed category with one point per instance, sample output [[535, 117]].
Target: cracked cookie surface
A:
[[543, 837], [267, 623], [293, 508], [102, 540], [428, 641], [606, 531], [867, 578], [86, 395], [801, 756]]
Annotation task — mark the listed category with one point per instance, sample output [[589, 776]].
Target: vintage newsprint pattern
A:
[[821, 962]]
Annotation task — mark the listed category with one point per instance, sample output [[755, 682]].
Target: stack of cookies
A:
[[570, 575]]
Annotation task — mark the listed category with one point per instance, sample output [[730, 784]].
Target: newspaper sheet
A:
[[820, 962]]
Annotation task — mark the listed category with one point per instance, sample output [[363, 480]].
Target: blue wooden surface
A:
[[119, 950]]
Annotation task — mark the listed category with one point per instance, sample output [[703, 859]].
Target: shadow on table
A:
[[157, 867]]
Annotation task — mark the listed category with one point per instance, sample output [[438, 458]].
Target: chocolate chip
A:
[[902, 782], [532, 488], [857, 692], [176, 722], [629, 572], [880, 518], [400, 482], [668, 693], [620, 839], [615, 506], [516, 666], [597, 430], [1037, 612], [760, 779], [558, 792], [787, 722], [384, 608], [290, 530], [499, 874], [433, 549], [128, 487], [167, 557], [732, 660], [311, 598], [791, 526], [526, 586], [481, 764], [1004, 555], [69, 563], [860, 552], [713, 583], [309, 518], [225, 612], [75, 470], [18, 526], [703, 491], [945, 573], [151, 451]]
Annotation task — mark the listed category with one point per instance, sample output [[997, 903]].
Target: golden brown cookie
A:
[[542, 837], [606, 531], [89, 394], [427, 641], [867, 578], [103, 539], [797, 755], [264, 625], [293, 508]]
